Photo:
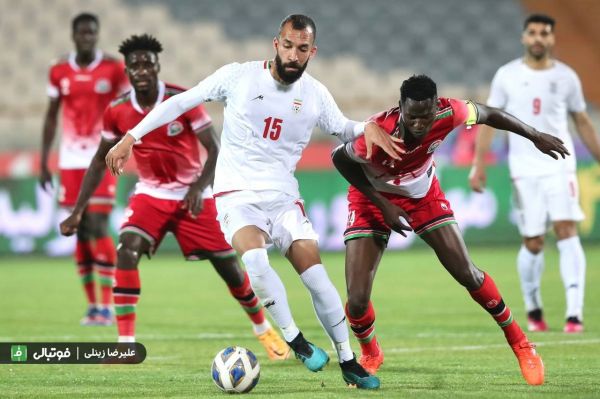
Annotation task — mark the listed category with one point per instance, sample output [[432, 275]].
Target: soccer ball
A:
[[235, 370]]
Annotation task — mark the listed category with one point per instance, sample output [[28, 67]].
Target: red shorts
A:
[[427, 213], [101, 201], [198, 238]]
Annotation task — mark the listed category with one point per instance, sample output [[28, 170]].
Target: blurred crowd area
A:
[[366, 49]]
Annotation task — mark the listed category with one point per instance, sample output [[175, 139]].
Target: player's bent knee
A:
[[129, 251], [229, 269], [535, 245], [127, 258], [256, 262], [565, 229]]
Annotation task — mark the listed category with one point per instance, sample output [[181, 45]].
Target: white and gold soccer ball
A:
[[235, 370]]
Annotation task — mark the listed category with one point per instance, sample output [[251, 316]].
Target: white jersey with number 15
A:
[[266, 125]]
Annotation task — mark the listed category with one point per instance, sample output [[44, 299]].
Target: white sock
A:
[[530, 267], [572, 271], [268, 287], [126, 338], [262, 327], [329, 309], [290, 332]]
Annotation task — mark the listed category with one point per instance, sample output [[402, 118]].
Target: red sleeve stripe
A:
[[301, 206]]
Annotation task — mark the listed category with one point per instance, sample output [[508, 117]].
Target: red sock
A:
[[85, 259], [105, 257], [363, 328], [248, 300], [490, 299], [126, 294]]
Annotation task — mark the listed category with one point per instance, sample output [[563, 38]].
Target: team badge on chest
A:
[[102, 86], [174, 128], [433, 146], [297, 105]]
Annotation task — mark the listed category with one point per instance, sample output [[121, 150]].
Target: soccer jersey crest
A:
[[102, 86], [174, 128], [297, 105], [433, 146]]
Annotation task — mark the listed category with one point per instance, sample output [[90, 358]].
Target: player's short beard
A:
[[538, 55], [289, 77]]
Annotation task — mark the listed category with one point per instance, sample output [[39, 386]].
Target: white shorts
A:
[[542, 200], [281, 216]]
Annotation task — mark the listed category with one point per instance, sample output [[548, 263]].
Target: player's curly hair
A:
[[418, 87], [143, 42]]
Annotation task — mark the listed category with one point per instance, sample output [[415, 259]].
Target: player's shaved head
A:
[[84, 17], [299, 22], [419, 88]]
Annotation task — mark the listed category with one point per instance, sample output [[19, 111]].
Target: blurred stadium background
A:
[[366, 49], [438, 343]]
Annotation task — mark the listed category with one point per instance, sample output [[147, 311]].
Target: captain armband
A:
[[472, 113]]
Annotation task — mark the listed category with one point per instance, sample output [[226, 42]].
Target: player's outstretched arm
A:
[[546, 143], [585, 128], [48, 134], [91, 181], [332, 120], [355, 175], [163, 113], [193, 198]]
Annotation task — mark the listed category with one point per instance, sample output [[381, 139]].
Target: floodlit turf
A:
[[437, 341]]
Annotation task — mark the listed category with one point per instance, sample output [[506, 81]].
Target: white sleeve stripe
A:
[[52, 91], [108, 135], [352, 154], [201, 123]]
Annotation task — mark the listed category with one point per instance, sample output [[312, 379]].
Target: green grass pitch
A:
[[438, 343]]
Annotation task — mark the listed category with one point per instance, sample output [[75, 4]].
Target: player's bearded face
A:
[[291, 71], [538, 39]]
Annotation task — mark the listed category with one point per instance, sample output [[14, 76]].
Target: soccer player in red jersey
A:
[[386, 194], [173, 193], [83, 83]]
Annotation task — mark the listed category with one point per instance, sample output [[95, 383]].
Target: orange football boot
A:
[[277, 348], [530, 362]]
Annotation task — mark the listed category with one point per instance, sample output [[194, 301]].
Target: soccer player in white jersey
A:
[[542, 91], [271, 108]]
